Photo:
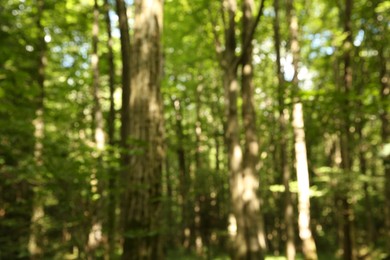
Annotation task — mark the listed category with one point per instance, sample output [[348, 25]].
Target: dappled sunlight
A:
[[178, 129]]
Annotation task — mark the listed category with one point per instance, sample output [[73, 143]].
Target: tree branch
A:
[[217, 42], [249, 37]]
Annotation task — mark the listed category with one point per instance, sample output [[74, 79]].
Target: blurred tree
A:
[[35, 246], [141, 210], [284, 166]]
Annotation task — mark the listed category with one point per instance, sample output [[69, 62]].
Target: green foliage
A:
[[71, 164]]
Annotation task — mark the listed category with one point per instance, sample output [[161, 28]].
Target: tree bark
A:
[[97, 110], [199, 200], [384, 116], [254, 226], [345, 138], [141, 209], [360, 123], [125, 109], [285, 169], [245, 223], [183, 176], [228, 63], [125, 57], [35, 246], [111, 207], [309, 246], [95, 237]]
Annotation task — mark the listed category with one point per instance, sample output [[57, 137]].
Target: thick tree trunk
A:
[[245, 223], [254, 226], [111, 204], [141, 209], [285, 169], [308, 244], [35, 246], [237, 181], [232, 135]]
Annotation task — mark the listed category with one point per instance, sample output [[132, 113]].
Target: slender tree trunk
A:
[[337, 183], [125, 57], [369, 221], [35, 246], [97, 110], [111, 204], [95, 234], [199, 201], [346, 138], [125, 109], [309, 246], [362, 150], [285, 169], [384, 116], [142, 222], [183, 177], [172, 240]]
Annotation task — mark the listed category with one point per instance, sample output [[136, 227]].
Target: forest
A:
[[194, 129]]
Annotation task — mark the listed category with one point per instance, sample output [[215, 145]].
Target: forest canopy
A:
[[178, 129]]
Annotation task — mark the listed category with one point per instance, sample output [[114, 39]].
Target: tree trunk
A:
[[97, 110], [199, 200], [254, 226], [125, 53], [143, 182], [245, 225], [228, 63], [309, 246], [285, 169], [125, 110], [95, 237], [35, 246], [111, 204], [360, 122], [345, 138], [183, 177], [384, 116]]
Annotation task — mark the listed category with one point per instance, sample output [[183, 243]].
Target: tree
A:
[[245, 222], [273, 93], [284, 166], [254, 226], [35, 244], [95, 237], [309, 246], [112, 180], [125, 58], [143, 179], [383, 52], [346, 138], [126, 90]]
